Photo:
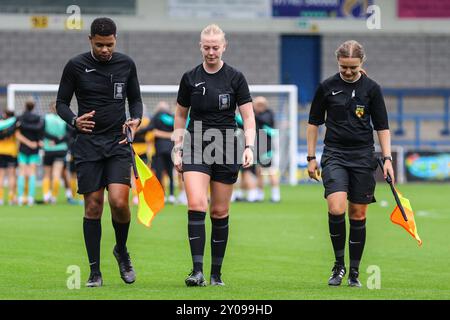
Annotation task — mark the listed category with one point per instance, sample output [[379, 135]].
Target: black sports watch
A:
[[387, 158], [250, 147], [177, 149], [309, 158]]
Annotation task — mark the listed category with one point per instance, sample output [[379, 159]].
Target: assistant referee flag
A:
[[150, 193], [397, 217]]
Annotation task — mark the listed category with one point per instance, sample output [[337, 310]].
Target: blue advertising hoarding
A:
[[427, 166], [321, 8]]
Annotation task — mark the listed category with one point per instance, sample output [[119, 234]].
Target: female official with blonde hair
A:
[[210, 93]]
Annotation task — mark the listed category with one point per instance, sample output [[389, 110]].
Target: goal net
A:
[[282, 100]]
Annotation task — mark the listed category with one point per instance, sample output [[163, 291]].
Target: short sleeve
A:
[[378, 111], [184, 94], [318, 108], [242, 91]]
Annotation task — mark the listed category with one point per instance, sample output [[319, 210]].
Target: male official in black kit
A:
[[101, 80]]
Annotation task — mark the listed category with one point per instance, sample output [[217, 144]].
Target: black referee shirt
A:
[[103, 87], [349, 109], [213, 97]]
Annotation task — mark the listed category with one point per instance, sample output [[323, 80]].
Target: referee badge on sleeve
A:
[[359, 111], [224, 101], [118, 90]]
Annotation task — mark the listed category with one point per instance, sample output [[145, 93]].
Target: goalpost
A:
[[282, 100]]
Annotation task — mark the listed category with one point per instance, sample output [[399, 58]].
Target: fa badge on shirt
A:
[[359, 111], [118, 90], [224, 101]]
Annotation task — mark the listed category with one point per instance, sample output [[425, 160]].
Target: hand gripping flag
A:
[[149, 190], [403, 214]]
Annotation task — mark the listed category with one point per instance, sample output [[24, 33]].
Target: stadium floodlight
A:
[[282, 100]]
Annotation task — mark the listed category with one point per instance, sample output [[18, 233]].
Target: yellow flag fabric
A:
[[397, 218], [150, 193]]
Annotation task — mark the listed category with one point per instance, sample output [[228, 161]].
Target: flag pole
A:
[[394, 192], [130, 142]]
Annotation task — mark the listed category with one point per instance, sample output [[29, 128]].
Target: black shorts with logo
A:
[[7, 161], [350, 171], [100, 160], [52, 156], [220, 160]]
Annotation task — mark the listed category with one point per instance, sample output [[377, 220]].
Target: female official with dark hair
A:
[[211, 91], [351, 101]]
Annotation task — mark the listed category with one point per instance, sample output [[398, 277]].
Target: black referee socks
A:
[[196, 233], [336, 225], [219, 238], [92, 230], [357, 241], [121, 230]]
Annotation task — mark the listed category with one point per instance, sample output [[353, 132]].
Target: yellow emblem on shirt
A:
[[359, 111]]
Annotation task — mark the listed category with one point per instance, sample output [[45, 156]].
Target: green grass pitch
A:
[[275, 251]]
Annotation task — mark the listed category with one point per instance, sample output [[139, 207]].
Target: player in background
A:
[[266, 132], [69, 175], [246, 186], [162, 128], [29, 136], [8, 156], [55, 151]]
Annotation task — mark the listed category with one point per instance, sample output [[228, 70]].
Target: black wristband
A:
[[309, 158], [387, 158]]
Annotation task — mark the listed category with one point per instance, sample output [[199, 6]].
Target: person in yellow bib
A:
[[8, 155]]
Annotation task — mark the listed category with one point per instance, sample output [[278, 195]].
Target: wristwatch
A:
[[177, 149], [252, 148], [387, 158], [309, 158]]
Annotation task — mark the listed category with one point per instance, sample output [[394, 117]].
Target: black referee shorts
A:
[[220, 160], [7, 161], [350, 171], [100, 160], [52, 156]]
